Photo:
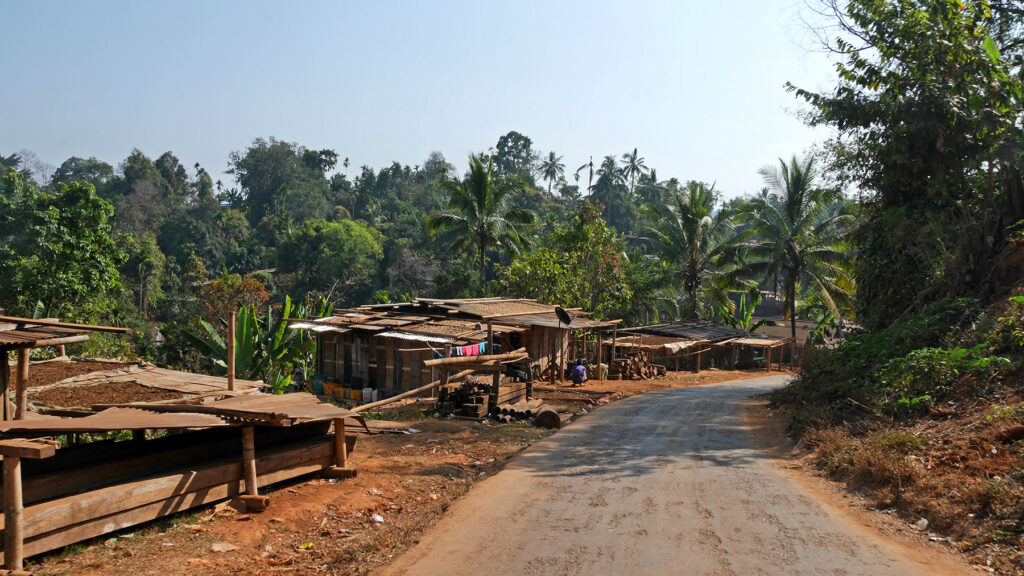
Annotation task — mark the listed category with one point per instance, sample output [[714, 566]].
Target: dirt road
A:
[[669, 482]]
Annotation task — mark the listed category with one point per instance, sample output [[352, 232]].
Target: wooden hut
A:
[[384, 346]]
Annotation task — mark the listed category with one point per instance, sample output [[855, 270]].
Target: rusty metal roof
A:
[[16, 332]]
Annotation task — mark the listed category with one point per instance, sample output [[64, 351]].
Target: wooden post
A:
[[14, 528], [554, 354], [615, 335], [492, 403], [696, 366], [600, 368], [767, 351], [249, 460], [61, 351], [21, 384], [490, 337], [231, 354], [340, 448], [13, 505], [5, 373]]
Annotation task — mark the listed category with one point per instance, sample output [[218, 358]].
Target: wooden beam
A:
[[340, 449], [58, 324], [23, 448], [21, 383], [61, 341], [414, 392]]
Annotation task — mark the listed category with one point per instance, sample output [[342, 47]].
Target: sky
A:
[[696, 87]]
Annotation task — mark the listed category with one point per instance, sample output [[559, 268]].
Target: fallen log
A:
[[552, 419]]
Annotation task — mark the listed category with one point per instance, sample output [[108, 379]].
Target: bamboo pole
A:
[[514, 355], [21, 383], [231, 351]]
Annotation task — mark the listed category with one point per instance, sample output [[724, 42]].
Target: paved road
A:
[[668, 482]]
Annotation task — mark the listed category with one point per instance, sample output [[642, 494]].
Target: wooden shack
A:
[[384, 346], [698, 344]]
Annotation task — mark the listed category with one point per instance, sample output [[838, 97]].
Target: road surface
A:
[[668, 482]]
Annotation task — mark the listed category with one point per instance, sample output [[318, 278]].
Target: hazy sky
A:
[[697, 87]]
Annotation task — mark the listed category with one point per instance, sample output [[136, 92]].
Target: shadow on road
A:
[[690, 427]]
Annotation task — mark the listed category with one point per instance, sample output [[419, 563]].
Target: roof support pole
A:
[[21, 383], [231, 350], [5, 374]]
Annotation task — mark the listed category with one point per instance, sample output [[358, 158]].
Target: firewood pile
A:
[[635, 366]]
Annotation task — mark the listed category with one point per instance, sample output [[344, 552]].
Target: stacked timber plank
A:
[[636, 366], [470, 398]]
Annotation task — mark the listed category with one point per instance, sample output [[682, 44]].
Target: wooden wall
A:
[[386, 364]]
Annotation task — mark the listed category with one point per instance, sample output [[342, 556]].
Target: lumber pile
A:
[[635, 366], [469, 399], [521, 410]]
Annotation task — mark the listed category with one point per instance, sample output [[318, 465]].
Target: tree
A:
[[633, 167], [611, 192], [333, 257], [927, 107], [56, 249], [481, 213], [697, 244], [267, 166], [583, 265], [799, 241], [552, 169], [514, 157], [91, 170]]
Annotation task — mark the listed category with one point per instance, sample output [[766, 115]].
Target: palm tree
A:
[[552, 169], [610, 172], [481, 213], [799, 238], [590, 179], [699, 244], [633, 167]]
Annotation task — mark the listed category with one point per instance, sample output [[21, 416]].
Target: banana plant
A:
[[265, 348], [743, 315]]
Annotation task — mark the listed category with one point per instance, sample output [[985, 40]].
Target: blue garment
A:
[[579, 374]]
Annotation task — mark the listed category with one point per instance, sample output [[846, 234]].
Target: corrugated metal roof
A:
[[693, 330]]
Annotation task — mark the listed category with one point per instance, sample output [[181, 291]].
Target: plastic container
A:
[[330, 388], [357, 394], [367, 394], [318, 383], [375, 396]]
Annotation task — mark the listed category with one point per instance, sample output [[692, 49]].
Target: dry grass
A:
[[951, 471]]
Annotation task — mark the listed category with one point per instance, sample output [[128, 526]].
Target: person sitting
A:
[[579, 373]]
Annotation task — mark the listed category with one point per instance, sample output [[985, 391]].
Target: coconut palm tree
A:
[[481, 213], [698, 244], [799, 238], [552, 169], [632, 168]]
